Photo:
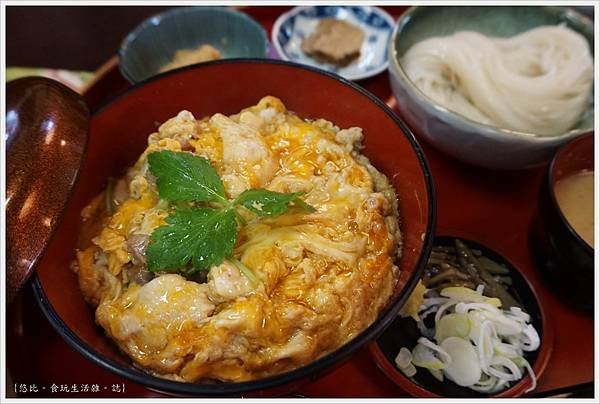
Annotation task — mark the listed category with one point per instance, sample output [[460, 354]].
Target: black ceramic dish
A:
[[403, 332], [560, 254]]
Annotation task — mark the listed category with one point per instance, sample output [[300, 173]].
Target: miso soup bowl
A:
[[565, 260], [118, 135]]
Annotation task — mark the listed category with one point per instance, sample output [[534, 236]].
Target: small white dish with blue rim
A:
[[292, 27]]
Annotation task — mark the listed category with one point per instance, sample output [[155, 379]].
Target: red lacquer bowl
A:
[[118, 134]]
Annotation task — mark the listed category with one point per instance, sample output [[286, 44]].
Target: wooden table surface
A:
[[469, 200]]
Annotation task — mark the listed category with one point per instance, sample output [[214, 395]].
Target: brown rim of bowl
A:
[[453, 117], [315, 367]]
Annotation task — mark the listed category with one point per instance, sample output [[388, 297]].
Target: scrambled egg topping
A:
[[323, 276]]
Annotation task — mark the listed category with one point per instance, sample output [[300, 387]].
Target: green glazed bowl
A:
[[153, 43], [470, 141]]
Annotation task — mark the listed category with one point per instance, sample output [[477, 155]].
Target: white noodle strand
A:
[[536, 82]]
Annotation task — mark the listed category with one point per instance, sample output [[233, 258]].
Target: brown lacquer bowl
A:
[[118, 134]]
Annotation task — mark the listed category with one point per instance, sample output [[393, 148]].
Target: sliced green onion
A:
[[464, 368], [424, 357], [480, 346], [404, 358], [452, 325]]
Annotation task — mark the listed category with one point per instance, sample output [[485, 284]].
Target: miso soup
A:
[[575, 196]]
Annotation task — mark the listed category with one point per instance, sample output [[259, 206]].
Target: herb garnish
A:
[[203, 232]]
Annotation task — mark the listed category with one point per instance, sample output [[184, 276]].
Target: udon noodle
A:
[[536, 82]]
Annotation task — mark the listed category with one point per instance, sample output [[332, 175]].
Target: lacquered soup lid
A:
[[46, 137]]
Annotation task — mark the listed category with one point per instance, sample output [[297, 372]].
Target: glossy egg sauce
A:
[[322, 277]]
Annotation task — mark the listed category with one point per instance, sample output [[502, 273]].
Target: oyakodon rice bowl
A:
[[312, 262]]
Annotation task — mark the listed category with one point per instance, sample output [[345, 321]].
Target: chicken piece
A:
[[248, 162], [180, 128], [136, 245], [226, 282], [159, 308], [139, 274], [137, 271]]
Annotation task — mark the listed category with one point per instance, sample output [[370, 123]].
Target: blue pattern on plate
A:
[[375, 23], [372, 19]]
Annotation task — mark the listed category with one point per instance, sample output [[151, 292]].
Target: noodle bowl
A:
[[536, 82]]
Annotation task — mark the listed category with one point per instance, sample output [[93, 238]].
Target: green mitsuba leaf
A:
[[270, 203], [183, 176], [199, 237]]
